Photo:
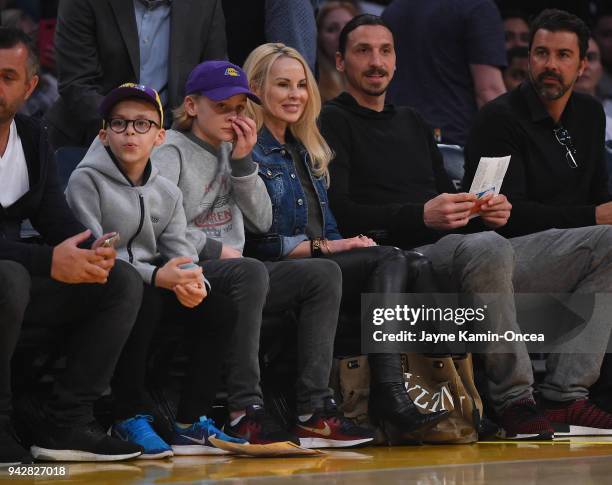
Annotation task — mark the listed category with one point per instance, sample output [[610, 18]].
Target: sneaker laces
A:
[[264, 420], [330, 411], [212, 431], [586, 413], [140, 427]]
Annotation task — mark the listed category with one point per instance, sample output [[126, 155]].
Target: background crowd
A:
[[446, 79]]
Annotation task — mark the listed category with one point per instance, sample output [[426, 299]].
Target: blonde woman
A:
[[332, 17], [293, 159]]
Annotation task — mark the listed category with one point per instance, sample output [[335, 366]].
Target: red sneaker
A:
[[578, 418], [522, 420], [259, 428], [327, 428]]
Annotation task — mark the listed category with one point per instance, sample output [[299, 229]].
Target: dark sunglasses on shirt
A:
[[565, 140]]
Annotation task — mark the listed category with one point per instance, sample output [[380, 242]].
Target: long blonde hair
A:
[[257, 68]]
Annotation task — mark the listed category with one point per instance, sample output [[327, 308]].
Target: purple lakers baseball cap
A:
[[219, 80], [131, 91]]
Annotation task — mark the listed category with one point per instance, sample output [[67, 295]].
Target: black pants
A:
[[311, 287], [96, 320], [377, 269], [208, 328]]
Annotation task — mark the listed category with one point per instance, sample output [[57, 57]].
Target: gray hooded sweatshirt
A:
[[220, 195], [150, 218]]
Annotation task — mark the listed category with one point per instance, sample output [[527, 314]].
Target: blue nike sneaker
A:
[[194, 440], [138, 430]]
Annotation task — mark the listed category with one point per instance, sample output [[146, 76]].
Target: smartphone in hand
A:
[[111, 241]]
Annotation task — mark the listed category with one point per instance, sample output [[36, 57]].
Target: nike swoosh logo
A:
[[324, 431], [195, 440]]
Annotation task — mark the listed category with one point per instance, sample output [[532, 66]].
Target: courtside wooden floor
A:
[[581, 461]]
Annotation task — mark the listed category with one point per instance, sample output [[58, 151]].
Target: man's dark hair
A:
[[11, 37], [519, 52], [364, 19], [555, 20]]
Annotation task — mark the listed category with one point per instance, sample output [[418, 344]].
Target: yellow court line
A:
[[545, 442]]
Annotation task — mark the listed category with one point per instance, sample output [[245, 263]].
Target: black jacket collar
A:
[[537, 110]]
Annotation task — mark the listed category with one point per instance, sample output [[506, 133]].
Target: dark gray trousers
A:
[[554, 261]]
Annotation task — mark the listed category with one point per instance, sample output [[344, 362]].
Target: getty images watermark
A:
[[486, 323]]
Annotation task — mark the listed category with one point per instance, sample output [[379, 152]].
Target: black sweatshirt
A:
[[386, 166], [544, 190], [44, 204]]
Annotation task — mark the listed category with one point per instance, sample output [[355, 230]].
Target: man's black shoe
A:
[[80, 443], [11, 452]]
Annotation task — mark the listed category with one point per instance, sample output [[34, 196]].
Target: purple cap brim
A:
[[225, 92], [121, 93]]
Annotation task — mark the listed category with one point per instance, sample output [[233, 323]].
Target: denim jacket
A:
[[289, 205]]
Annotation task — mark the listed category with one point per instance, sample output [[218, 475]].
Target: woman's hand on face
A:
[[246, 136], [340, 245]]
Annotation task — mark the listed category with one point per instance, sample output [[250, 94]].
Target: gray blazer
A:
[[97, 50]]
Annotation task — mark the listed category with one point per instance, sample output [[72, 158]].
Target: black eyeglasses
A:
[[564, 138], [142, 126]]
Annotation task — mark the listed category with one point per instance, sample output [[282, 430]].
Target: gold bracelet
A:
[[315, 248], [325, 243]]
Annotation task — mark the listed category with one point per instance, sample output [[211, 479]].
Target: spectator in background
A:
[[602, 32], [104, 43], [588, 82], [250, 23], [449, 54], [518, 66], [516, 30], [332, 17], [46, 92]]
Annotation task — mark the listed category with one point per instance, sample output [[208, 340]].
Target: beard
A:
[[550, 92], [371, 92], [365, 88], [7, 110]]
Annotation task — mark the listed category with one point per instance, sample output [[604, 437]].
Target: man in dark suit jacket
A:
[[98, 48]]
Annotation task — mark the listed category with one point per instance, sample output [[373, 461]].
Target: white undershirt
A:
[[14, 180]]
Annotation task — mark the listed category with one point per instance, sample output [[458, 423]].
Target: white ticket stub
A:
[[489, 177]]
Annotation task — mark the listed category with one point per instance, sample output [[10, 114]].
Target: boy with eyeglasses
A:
[[116, 188]]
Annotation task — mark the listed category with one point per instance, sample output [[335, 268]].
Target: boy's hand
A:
[[448, 211], [71, 264], [246, 136], [191, 294], [496, 211], [170, 275]]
